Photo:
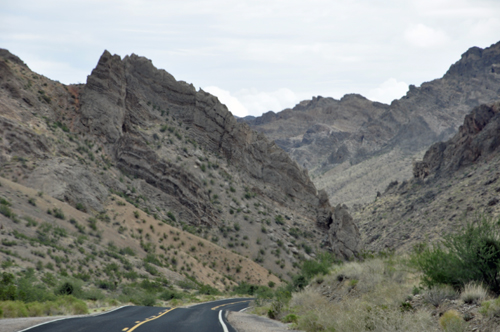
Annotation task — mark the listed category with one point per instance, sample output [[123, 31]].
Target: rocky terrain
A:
[[138, 159], [456, 182], [354, 147]]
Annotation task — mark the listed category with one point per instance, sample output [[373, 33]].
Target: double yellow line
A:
[[139, 323], [222, 305]]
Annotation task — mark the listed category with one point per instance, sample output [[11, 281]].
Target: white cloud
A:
[[425, 37], [388, 91], [258, 102], [225, 97], [253, 102], [64, 72]]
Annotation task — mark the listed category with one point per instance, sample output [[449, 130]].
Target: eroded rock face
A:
[[343, 235], [116, 104], [68, 181], [478, 137]]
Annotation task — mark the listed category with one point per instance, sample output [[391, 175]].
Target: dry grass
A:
[[474, 293], [437, 294], [373, 302]]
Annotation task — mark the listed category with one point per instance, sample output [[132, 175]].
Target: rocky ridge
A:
[[456, 182], [176, 154], [329, 137]]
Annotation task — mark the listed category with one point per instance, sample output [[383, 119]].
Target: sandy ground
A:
[[17, 324], [252, 323]]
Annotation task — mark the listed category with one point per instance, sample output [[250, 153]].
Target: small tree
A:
[[471, 254]]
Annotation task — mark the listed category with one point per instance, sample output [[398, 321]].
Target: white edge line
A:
[[56, 320], [244, 309], [224, 327]]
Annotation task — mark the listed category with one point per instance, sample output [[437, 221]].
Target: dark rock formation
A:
[[342, 234], [79, 142], [477, 138]]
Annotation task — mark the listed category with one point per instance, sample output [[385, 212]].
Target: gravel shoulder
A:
[[243, 322], [18, 324]]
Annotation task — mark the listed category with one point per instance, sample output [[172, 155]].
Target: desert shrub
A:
[[471, 254], [279, 219], [186, 284], [171, 216], [127, 251], [491, 308], [58, 213], [451, 321], [13, 309], [246, 289], [438, 293], [207, 290], [93, 294], [81, 207], [170, 294], [474, 293], [63, 305], [8, 291], [279, 303], [66, 288]]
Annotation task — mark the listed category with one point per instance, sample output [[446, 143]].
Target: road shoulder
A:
[[243, 322]]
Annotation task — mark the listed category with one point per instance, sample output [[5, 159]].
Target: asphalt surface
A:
[[198, 318]]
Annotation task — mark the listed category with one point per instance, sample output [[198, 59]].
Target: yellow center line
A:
[[215, 308], [139, 323]]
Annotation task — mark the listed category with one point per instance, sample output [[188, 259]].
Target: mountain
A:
[[134, 150], [456, 182], [354, 147]]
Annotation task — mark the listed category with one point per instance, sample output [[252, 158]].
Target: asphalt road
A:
[[199, 318]]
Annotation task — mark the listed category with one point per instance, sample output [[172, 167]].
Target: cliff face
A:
[[329, 136], [135, 131], [477, 139]]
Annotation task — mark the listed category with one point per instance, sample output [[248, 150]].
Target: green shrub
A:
[[66, 289], [471, 254], [58, 213], [451, 321], [169, 294]]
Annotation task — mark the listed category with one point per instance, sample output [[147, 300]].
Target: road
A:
[[198, 318]]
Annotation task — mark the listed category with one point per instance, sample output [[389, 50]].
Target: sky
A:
[[256, 55]]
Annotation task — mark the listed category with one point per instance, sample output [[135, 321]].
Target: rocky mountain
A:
[[134, 134], [354, 147], [456, 182]]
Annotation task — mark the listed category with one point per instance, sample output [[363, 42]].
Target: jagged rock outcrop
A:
[[342, 234], [115, 102], [174, 152], [478, 137]]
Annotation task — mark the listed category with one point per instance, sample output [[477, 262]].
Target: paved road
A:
[[199, 318]]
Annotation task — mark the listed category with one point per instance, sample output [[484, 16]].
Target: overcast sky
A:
[[256, 55]]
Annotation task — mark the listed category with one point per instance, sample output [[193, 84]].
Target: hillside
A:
[[140, 160], [456, 180], [354, 147]]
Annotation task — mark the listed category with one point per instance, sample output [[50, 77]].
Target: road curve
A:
[[198, 318]]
